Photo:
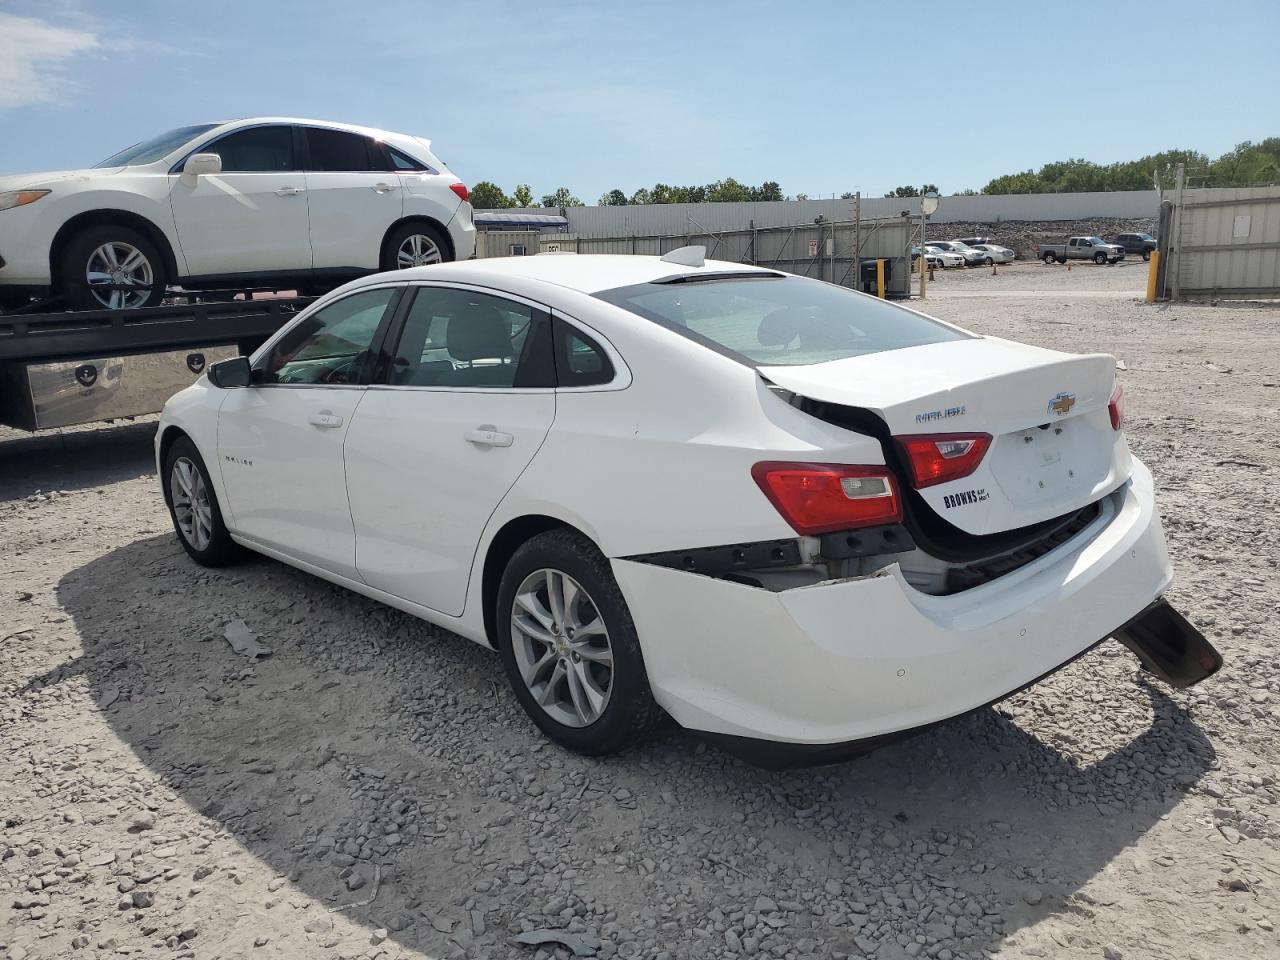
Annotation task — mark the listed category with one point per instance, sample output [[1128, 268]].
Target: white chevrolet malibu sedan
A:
[[794, 517]]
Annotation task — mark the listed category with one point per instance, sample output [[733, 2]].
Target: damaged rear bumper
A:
[[855, 662]]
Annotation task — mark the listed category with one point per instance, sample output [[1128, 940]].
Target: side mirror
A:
[[199, 163], [231, 373]]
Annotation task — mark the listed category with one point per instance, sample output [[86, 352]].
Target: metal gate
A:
[[1220, 242]]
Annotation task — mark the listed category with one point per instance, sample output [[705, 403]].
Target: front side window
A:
[[337, 151], [329, 347], [770, 320], [255, 150], [461, 338]]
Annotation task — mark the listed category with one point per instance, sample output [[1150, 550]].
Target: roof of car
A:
[[588, 273]]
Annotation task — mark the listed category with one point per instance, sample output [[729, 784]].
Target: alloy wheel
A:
[[191, 505], [561, 646], [417, 250], [119, 275]]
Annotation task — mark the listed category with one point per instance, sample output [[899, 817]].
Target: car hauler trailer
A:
[[73, 367]]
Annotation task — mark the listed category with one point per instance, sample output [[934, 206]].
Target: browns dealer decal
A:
[[965, 498]]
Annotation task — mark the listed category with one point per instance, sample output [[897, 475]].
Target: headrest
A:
[[478, 332]]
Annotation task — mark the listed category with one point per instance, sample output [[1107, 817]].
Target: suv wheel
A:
[[570, 647], [1099, 258], [111, 268], [414, 245], [1146, 255]]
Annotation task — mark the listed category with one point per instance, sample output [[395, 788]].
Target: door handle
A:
[[487, 436], [384, 187], [325, 419], [289, 191]]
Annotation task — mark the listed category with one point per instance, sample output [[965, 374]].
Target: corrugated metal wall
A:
[[1226, 243], [671, 219], [822, 251]]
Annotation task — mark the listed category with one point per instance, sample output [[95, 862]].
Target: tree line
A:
[[1247, 164]]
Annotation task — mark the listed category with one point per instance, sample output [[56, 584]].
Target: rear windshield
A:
[[774, 321], [149, 151]]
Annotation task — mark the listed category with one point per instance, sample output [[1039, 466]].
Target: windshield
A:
[[1096, 240], [769, 321], [957, 243], [1146, 236], [149, 151]]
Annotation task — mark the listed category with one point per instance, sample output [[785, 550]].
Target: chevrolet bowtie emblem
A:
[[1062, 404]]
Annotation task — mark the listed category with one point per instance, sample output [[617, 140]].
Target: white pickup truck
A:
[[1080, 248]]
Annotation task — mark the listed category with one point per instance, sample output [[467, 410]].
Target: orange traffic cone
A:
[[995, 270], [1068, 266]]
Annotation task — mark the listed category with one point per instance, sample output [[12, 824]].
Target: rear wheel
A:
[[1146, 255], [414, 245], [111, 267], [570, 647], [193, 507], [1050, 258]]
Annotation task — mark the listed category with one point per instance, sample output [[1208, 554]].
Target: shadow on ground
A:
[[74, 459], [366, 723]]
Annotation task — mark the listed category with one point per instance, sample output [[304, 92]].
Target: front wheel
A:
[[414, 245], [111, 268], [193, 507], [570, 647], [1099, 258]]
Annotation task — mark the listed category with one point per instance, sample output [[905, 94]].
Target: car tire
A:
[[414, 244], [990, 262], [95, 251], [606, 668], [1050, 258], [1099, 258], [1146, 255], [193, 507]]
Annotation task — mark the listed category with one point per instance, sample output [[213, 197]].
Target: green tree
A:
[[614, 198], [561, 198], [487, 195], [523, 195], [912, 191], [642, 196], [727, 190], [767, 191]]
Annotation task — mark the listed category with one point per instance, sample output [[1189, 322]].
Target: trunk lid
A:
[[1053, 449]]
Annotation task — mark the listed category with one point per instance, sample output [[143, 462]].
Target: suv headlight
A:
[[19, 198]]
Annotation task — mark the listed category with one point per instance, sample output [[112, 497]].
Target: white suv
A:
[[258, 202]]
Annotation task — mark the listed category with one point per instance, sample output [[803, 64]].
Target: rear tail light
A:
[[824, 497], [1115, 407], [942, 457], [461, 190]]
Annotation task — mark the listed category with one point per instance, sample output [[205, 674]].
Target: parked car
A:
[[795, 517], [1080, 248], [1143, 243], [937, 257], [970, 256], [973, 241], [994, 253], [264, 201]]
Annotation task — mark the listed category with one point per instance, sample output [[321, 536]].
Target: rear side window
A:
[[580, 361], [340, 151], [256, 150], [772, 321], [402, 161], [461, 338]]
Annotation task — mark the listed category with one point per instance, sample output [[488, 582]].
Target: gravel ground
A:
[[370, 788]]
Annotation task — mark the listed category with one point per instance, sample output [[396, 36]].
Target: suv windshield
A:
[[771, 320], [149, 151]]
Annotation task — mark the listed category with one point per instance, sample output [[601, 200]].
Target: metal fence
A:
[[824, 251], [1223, 242]]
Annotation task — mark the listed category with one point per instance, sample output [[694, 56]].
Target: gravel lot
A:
[[370, 788]]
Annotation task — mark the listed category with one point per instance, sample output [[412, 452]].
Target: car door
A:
[[354, 195], [465, 402], [251, 217], [280, 440]]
